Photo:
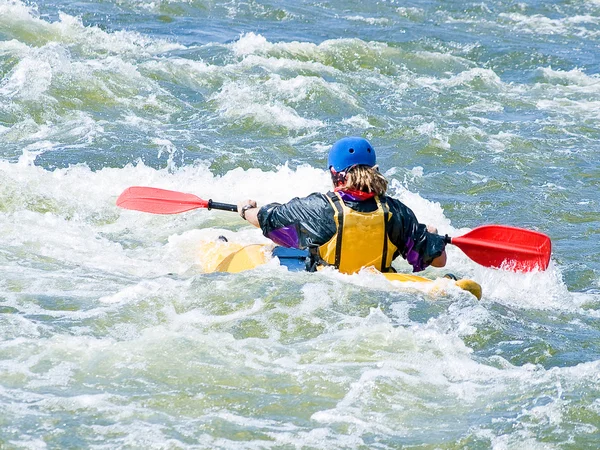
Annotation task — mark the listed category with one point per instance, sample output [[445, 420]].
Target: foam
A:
[[572, 78], [76, 222], [431, 370], [371, 20], [582, 108], [358, 121], [329, 52], [473, 76], [178, 255], [411, 12], [538, 24], [27, 92], [110, 327], [15, 17], [238, 100]]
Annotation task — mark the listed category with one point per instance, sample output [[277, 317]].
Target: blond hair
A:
[[366, 179]]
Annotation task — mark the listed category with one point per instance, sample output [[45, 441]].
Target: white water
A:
[[112, 337]]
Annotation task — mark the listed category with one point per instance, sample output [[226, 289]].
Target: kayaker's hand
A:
[[440, 261], [244, 207], [432, 229]]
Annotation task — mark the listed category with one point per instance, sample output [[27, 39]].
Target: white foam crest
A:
[[587, 300], [580, 375], [446, 58], [49, 76], [427, 212], [75, 126], [186, 71], [439, 139], [32, 151], [499, 142], [32, 76], [425, 367], [544, 290], [135, 433], [29, 443], [371, 20], [260, 185], [270, 101], [101, 403], [411, 12], [82, 208], [317, 438], [241, 100], [478, 77], [157, 5], [16, 12], [250, 43], [136, 292], [561, 382], [42, 289], [256, 44], [253, 421], [53, 361], [301, 88], [571, 93], [580, 108], [197, 317], [58, 375], [539, 24], [463, 319], [572, 78], [73, 243], [419, 367], [199, 74], [516, 440], [314, 299], [14, 328], [358, 121], [275, 64], [15, 17]]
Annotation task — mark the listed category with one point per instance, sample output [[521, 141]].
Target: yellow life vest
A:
[[361, 239]]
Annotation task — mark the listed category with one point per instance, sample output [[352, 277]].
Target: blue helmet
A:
[[351, 151]]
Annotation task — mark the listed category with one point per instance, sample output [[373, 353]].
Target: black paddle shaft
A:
[[222, 206]]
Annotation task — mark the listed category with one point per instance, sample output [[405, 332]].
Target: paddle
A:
[[497, 246], [163, 201], [507, 247]]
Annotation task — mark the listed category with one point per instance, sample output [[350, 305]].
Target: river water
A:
[[111, 335]]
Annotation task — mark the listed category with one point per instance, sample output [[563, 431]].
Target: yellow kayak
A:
[[233, 258]]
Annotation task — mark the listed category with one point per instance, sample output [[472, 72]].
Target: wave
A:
[[542, 25], [79, 204]]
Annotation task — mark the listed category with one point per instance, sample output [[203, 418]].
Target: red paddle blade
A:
[[507, 247], [159, 201]]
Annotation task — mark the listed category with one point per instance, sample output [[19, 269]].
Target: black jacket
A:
[[309, 222]]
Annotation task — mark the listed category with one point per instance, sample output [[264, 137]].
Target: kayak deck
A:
[[233, 258]]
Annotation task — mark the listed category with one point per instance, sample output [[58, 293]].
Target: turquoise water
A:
[[112, 335]]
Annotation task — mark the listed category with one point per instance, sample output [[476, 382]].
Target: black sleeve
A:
[[309, 221], [415, 244]]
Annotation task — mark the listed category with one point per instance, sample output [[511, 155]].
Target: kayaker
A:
[[354, 226]]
